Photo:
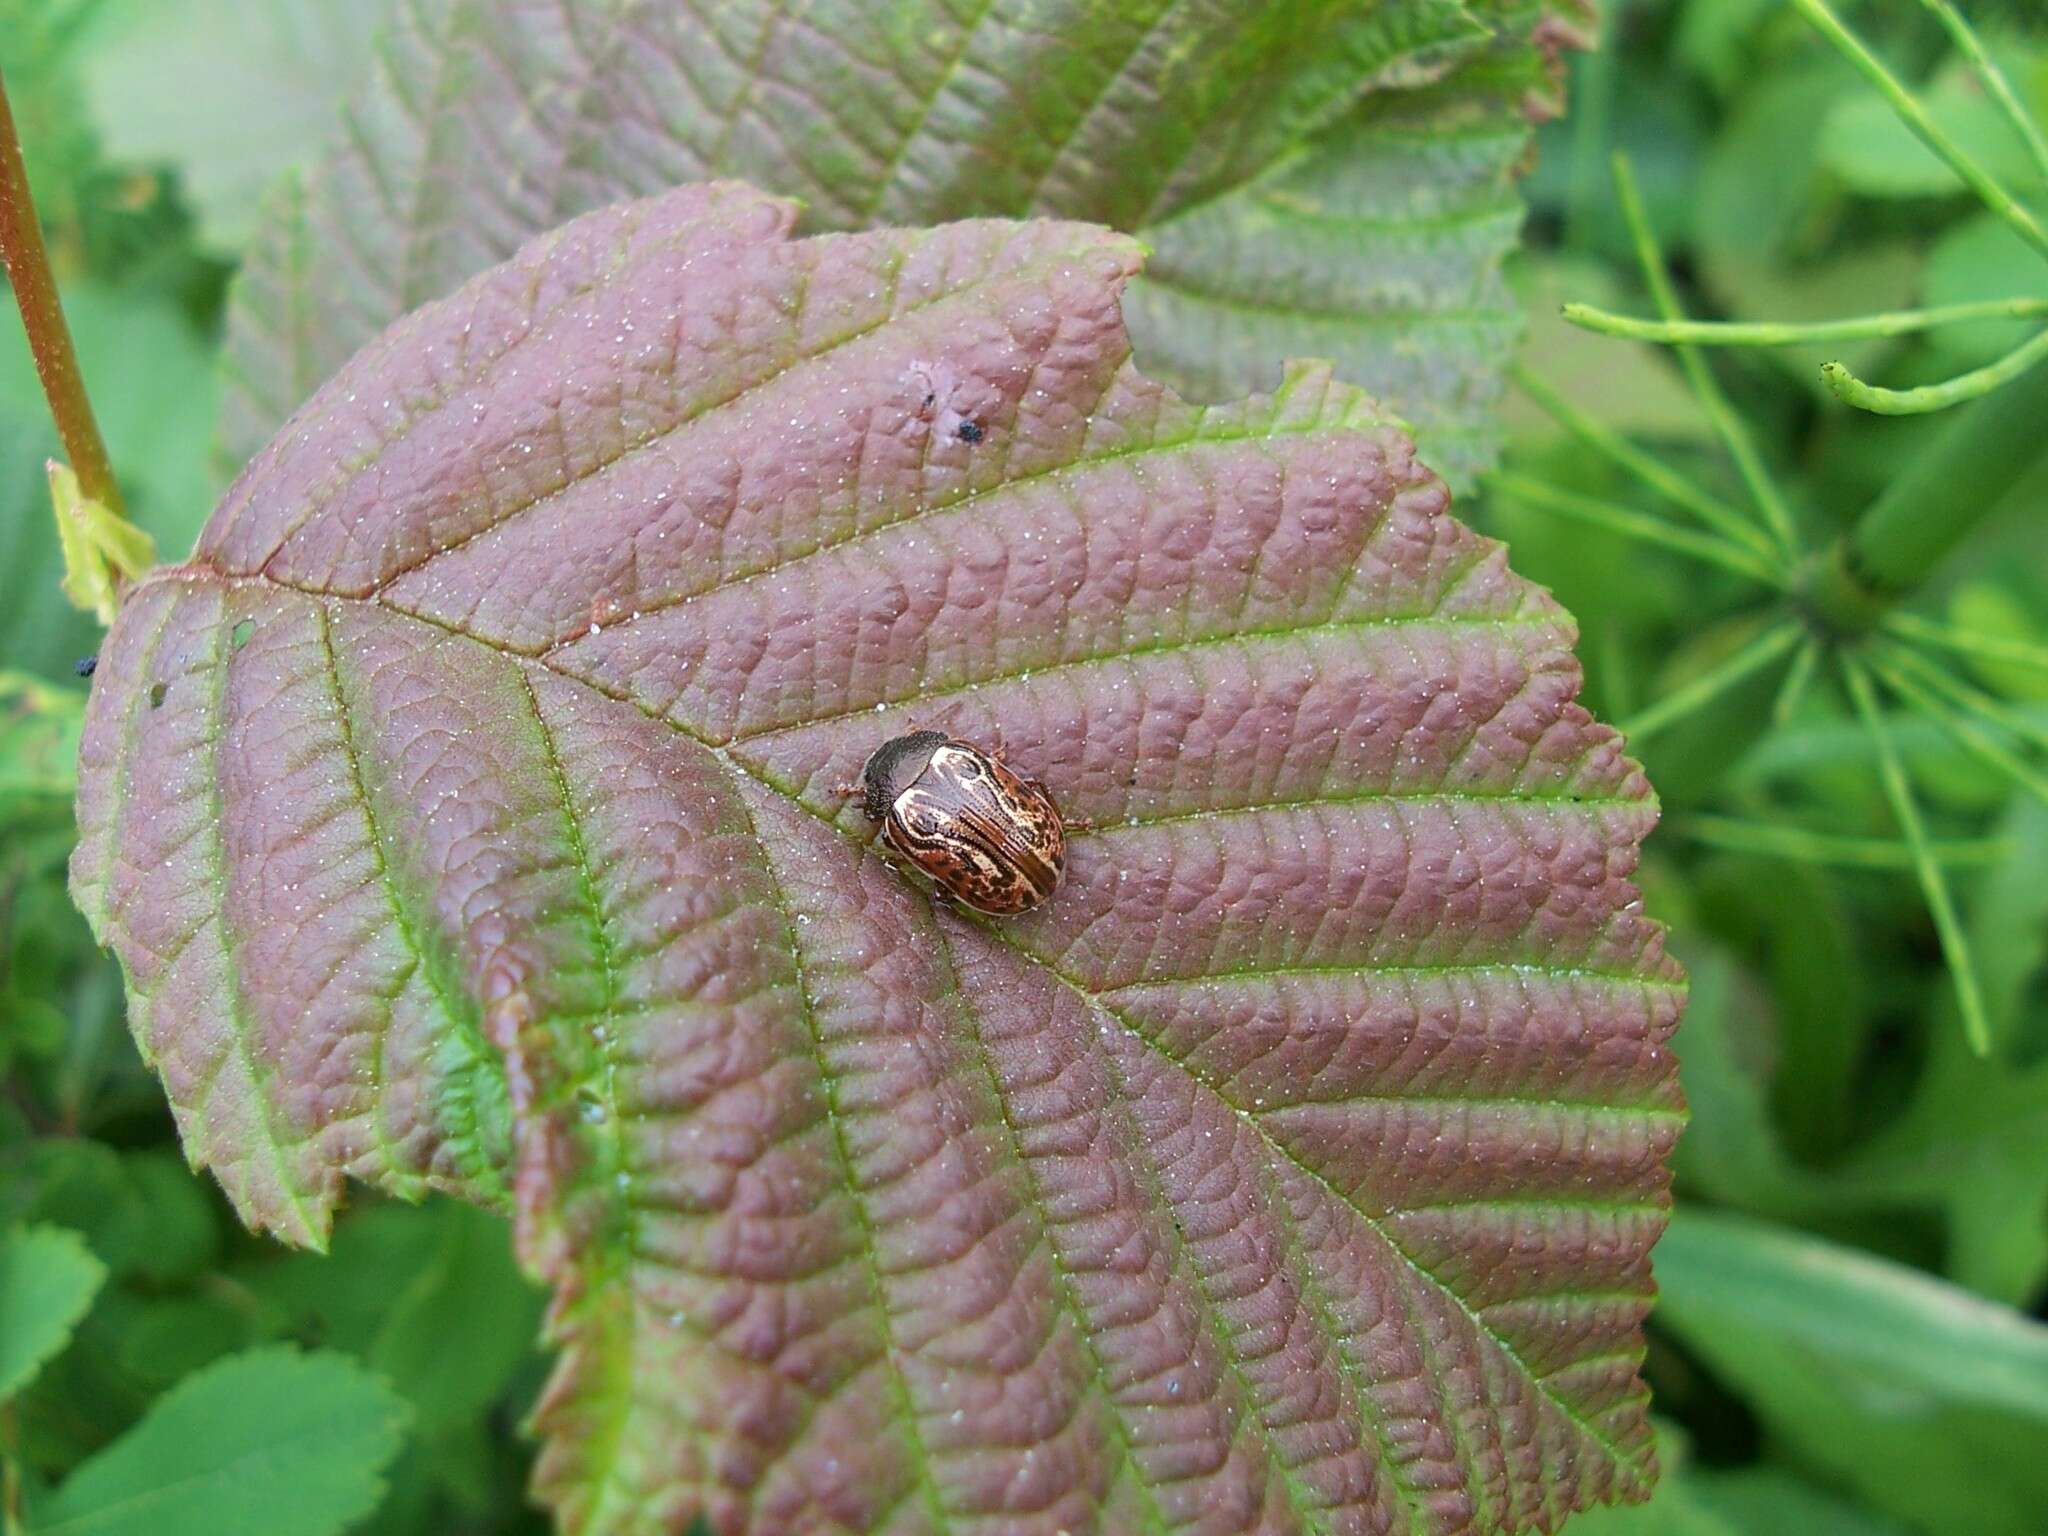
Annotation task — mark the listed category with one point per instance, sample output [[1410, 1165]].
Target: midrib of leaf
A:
[[457, 1020], [1315, 1295], [620, 1253], [906, 1408], [1047, 1228], [1213, 1321], [735, 766]]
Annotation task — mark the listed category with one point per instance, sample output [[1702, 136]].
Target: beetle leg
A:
[[996, 749], [846, 791], [1078, 823]]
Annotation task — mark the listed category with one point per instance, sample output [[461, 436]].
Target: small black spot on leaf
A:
[[970, 432], [85, 666]]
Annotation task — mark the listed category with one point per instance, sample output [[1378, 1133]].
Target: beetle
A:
[[956, 814]]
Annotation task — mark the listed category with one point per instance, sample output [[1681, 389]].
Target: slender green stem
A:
[[1727, 425], [1933, 884], [1966, 732], [2019, 653], [1949, 486], [1766, 648], [1632, 524], [49, 338], [1801, 846], [1935, 397], [1914, 116], [1970, 700], [1798, 680], [1778, 333], [1972, 48], [1647, 468]]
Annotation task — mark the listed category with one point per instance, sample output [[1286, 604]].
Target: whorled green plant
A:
[[1834, 606]]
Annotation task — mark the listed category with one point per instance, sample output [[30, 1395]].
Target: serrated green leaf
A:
[[48, 1278], [268, 1443]]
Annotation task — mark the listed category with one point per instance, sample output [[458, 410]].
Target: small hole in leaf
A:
[[156, 695], [239, 635]]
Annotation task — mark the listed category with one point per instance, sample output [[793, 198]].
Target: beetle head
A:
[[893, 767]]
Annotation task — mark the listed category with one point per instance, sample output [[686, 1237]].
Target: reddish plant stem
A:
[[49, 338]]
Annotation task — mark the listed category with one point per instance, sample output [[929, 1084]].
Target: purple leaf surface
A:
[[464, 815]]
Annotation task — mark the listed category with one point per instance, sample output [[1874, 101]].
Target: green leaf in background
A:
[[412, 1288], [48, 1278], [152, 382], [228, 93], [1768, 1501], [431, 1297], [1874, 153], [140, 1212], [268, 1443], [39, 728], [1981, 258], [1930, 1402], [1357, 204]]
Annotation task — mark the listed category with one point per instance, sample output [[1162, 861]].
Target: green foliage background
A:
[[1850, 1336]]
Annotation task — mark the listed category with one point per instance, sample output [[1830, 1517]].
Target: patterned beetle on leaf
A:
[[985, 838]]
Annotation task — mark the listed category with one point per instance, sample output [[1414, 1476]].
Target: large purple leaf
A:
[[1332, 178], [464, 816]]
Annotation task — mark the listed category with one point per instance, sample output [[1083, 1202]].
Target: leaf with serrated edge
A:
[[464, 815], [48, 1278], [1355, 203], [266, 1443]]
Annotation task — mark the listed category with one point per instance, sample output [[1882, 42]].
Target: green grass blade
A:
[[1971, 47], [1632, 524], [1647, 468], [1970, 701], [1966, 731], [1766, 648], [1955, 946], [1798, 679], [1910, 112], [1779, 333], [1727, 425], [1935, 397], [1799, 845], [1908, 626]]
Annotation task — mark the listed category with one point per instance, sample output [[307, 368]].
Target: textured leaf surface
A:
[[465, 816], [48, 1277], [1355, 204], [269, 1443]]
